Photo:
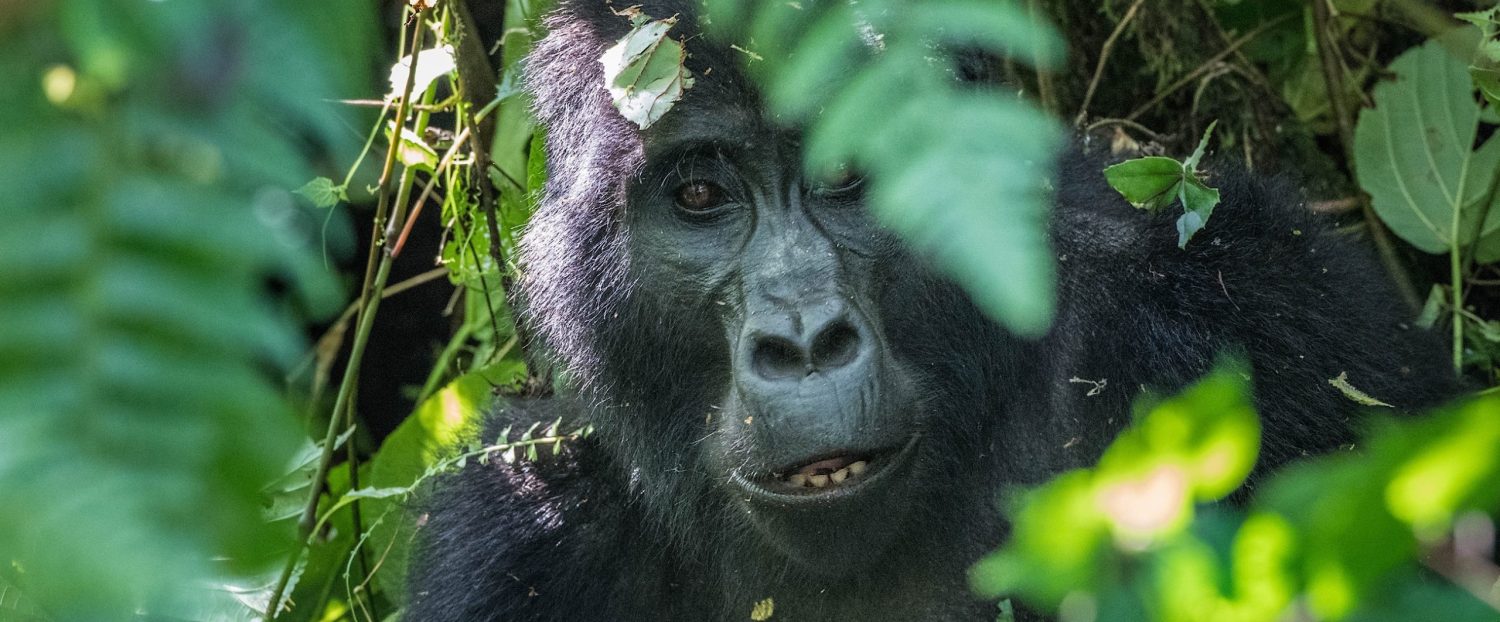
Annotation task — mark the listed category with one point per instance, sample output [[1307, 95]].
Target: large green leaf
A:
[[1414, 153], [408, 455], [140, 350]]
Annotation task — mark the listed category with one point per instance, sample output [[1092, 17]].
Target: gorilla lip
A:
[[835, 476]]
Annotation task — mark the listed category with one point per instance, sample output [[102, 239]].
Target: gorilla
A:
[[788, 404]]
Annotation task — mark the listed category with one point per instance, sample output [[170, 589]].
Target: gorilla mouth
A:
[[838, 470], [837, 475]]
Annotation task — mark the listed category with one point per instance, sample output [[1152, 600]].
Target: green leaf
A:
[[1414, 153], [377, 493], [415, 152], [1152, 183], [1078, 531], [644, 71], [1209, 430], [1485, 70], [1362, 517], [1002, 27], [323, 193], [1148, 183], [419, 443], [1432, 308], [832, 41], [1198, 203], [141, 398], [432, 63], [961, 226], [1191, 164]]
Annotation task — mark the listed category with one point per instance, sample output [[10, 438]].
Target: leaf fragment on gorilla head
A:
[[644, 70]]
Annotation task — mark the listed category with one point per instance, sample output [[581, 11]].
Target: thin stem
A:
[[445, 358], [1104, 54], [1456, 275], [1333, 79], [1202, 69], [1045, 90], [352, 457], [370, 295]]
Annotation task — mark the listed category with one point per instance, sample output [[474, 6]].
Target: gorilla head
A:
[[739, 316]]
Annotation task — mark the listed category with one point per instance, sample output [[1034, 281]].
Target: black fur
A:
[[634, 522]]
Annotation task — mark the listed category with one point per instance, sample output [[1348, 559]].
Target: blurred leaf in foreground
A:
[[140, 415], [1341, 537], [959, 172], [1076, 532], [1415, 154]]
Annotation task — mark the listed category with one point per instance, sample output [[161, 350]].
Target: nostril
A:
[[776, 358], [835, 347]]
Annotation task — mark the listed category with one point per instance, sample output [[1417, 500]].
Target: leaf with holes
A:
[[644, 71]]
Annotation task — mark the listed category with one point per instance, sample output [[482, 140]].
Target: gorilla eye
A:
[[699, 197], [843, 183]]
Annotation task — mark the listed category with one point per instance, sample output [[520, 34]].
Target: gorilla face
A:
[[814, 424]]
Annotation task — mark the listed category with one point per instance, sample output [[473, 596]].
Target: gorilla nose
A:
[[790, 354]]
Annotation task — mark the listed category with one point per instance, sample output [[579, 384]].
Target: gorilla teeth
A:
[[826, 478]]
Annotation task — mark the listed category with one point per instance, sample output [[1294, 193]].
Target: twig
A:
[[432, 181], [1127, 123], [1208, 64], [476, 77], [356, 520], [1104, 53], [1226, 292], [371, 301], [1386, 249], [1335, 206], [1334, 83], [476, 80], [1333, 78], [1427, 19], [1044, 88]]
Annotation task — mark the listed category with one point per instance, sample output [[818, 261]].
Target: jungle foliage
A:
[[181, 174]]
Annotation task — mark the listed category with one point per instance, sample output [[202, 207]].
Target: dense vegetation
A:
[[183, 178]]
